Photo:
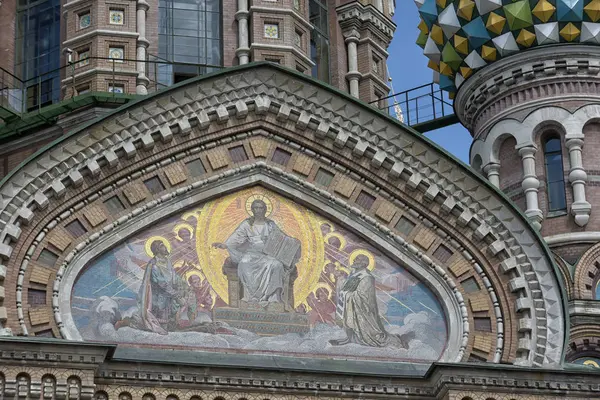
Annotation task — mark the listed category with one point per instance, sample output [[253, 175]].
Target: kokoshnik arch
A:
[[254, 218]]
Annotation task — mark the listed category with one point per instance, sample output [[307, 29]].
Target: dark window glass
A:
[[405, 226], [189, 32], [48, 258], [114, 205], [324, 177], [75, 228], [154, 185], [281, 156], [554, 175], [196, 168], [365, 200], [442, 253], [470, 285], [37, 57], [36, 297], [238, 154], [319, 39]]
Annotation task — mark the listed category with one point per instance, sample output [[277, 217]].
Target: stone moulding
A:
[[540, 75], [292, 98]]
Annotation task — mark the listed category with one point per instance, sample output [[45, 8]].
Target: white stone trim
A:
[[571, 124], [572, 237], [293, 49], [111, 33]]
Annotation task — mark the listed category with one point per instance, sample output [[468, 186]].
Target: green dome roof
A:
[[460, 36]]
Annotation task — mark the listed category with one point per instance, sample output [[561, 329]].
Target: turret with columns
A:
[[525, 76]]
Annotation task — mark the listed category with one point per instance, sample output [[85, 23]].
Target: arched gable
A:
[[492, 262]]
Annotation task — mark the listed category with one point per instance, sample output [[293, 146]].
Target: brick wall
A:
[[8, 17], [230, 33], [337, 51], [87, 77], [11, 159], [511, 171]]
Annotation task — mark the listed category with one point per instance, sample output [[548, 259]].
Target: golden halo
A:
[[592, 363], [192, 214], [183, 226], [259, 197], [363, 252], [338, 237], [151, 240], [196, 272], [324, 286]]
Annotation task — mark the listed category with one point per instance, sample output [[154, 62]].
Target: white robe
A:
[[261, 275]]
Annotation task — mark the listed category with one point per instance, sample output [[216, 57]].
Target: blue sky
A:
[[408, 68]]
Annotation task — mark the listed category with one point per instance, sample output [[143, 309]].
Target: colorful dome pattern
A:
[[461, 36]]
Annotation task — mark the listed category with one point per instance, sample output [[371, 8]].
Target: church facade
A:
[[255, 233], [395, 270]]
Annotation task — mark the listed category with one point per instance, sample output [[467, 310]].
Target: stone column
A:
[[580, 208], [492, 170], [353, 75], [530, 185], [243, 50], [142, 44]]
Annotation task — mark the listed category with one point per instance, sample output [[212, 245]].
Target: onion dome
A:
[[461, 36]]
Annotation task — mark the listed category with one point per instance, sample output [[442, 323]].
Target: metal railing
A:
[[19, 97], [424, 107]]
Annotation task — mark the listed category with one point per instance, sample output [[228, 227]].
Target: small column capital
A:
[[492, 170], [527, 151], [491, 167], [351, 35], [143, 5], [574, 142]]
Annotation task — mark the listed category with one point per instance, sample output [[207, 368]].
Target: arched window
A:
[[48, 391], [23, 385], [73, 388], [554, 174]]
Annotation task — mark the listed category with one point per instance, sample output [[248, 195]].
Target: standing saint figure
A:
[[162, 293], [361, 315], [264, 255]]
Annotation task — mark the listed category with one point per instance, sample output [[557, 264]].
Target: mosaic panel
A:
[[272, 31], [254, 272], [85, 20], [116, 17], [589, 361]]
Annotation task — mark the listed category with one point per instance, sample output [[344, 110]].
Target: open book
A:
[[283, 247]]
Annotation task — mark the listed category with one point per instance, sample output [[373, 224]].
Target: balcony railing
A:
[[23, 97], [424, 107]]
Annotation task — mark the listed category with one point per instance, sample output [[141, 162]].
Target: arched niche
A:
[[381, 181], [398, 310]]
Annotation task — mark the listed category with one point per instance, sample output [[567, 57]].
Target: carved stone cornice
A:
[[538, 77], [356, 16], [125, 374]]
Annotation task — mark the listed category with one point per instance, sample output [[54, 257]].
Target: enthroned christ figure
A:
[[264, 254]]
